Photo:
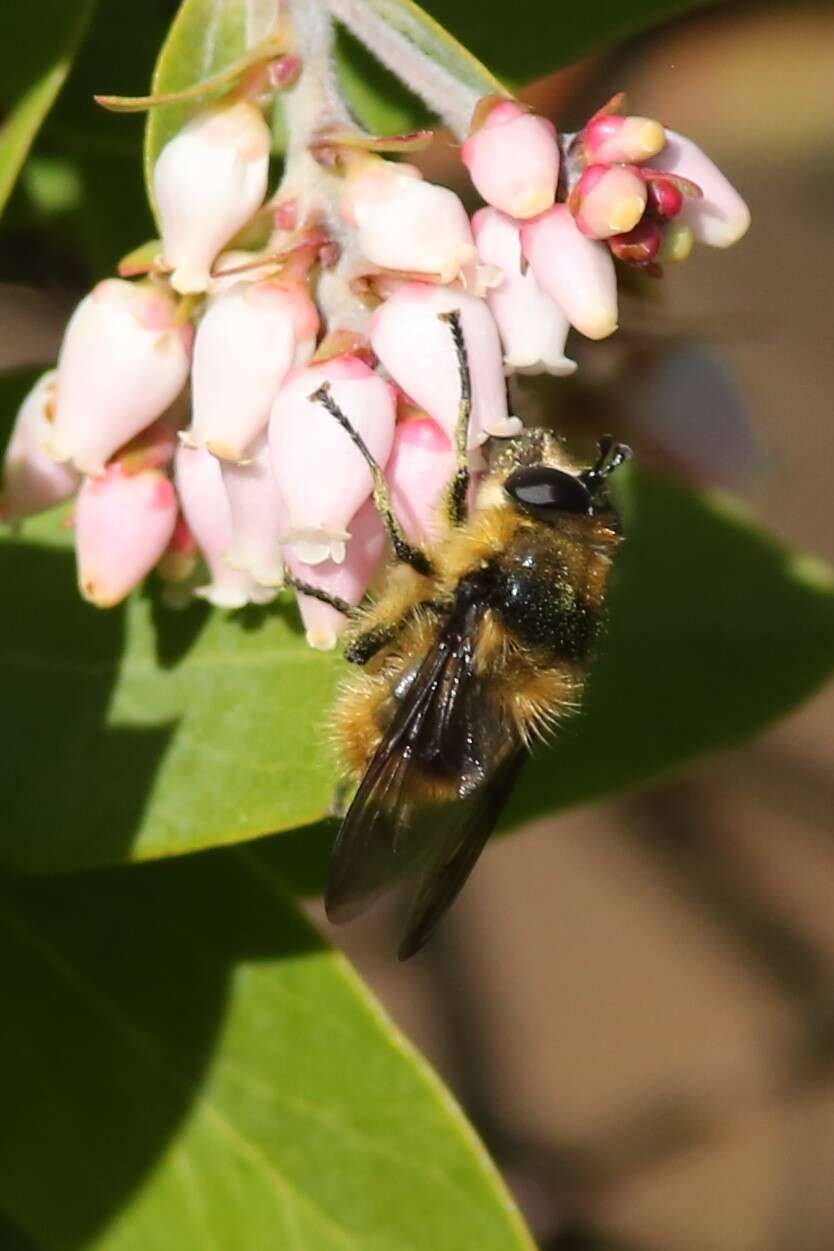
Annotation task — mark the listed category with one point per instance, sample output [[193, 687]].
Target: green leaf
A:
[[184, 1064], [422, 28], [145, 732], [520, 45], [40, 38], [90, 207], [206, 37], [479, 42], [140, 732]]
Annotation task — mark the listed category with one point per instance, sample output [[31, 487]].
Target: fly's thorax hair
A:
[[579, 550], [531, 447], [477, 543], [576, 550]]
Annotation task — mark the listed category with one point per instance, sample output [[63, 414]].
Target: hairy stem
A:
[[315, 103], [445, 93], [314, 106]]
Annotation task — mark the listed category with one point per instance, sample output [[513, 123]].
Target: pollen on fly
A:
[[477, 644]]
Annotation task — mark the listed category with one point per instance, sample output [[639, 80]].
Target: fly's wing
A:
[[466, 827], [433, 791]]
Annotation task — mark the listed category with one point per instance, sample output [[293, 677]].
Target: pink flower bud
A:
[[608, 200], [206, 510], [420, 468], [123, 524], [608, 138], [719, 217], [348, 580], [32, 480], [575, 271], [513, 160], [258, 515], [638, 246], [123, 360], [533, 327], [320, 473], [405, 223], [208, 181], [248, 339], [417, 349]]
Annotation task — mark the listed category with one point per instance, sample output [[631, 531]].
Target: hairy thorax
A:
[[538, 593]]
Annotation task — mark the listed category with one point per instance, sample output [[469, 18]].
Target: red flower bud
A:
[[638, 246], [665, 198]]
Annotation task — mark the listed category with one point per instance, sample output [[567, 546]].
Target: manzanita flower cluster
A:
[[185, 415]]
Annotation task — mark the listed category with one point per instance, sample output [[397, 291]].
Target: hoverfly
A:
[[477, 645]]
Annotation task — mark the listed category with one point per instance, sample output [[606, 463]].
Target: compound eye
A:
[[545, 492]]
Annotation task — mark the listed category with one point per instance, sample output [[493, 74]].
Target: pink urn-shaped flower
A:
[[258, 515], [421, 466], [123, 361], [209, 180], [533, 327], [513, 158], [123, 524], [206, 510], [406, 223], [32, 480], [320, 472], [719, 216], [247, 341], [348, 580], [577, 272], [416, 347], [609, 138], [608, 200]]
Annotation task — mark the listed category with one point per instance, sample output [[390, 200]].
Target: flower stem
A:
[[451, 96]]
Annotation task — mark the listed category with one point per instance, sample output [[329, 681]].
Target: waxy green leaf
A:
[[481, 44], [140, 732], [40, 38], [398, 33], [524, 43], [144, 731], [184, 1065]]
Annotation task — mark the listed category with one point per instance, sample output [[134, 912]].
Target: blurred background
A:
[[635, 1003]]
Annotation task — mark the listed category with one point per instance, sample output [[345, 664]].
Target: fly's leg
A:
[[403, 550], [316, 592], [456, 510], [365, 644]]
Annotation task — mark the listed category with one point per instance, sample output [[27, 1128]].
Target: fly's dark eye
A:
[[544, 492]]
